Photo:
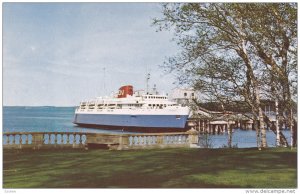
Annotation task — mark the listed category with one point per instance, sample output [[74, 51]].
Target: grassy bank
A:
[[165, 168]]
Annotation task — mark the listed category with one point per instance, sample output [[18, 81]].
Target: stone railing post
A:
[[19, 142], [37, 141], [123, 142], [75, 145], [160, 140], [193, 137]]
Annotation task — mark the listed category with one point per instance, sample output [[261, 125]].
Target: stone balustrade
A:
[[37, 140], [40, 140]]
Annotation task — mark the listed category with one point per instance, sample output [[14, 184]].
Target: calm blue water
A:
[[33, 119], [50, 119]]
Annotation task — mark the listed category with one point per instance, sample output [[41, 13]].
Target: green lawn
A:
[[160, 168]]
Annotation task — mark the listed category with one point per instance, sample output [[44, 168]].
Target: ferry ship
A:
[[128, 110]]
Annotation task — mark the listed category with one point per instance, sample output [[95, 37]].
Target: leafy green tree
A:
[[274, 37], [221, 55]]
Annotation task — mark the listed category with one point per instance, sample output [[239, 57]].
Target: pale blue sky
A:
[[54, 53]]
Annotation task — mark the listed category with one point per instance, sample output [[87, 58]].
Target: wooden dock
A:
[[83, 140], [218, 126]]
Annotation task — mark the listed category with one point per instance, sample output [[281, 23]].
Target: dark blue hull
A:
[[132, 121]]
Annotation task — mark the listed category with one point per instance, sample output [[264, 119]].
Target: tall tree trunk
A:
[[295, 133], [258, 139], [261, 122], [229, 130], [282, 138], [252, 82], [262, 129], [289, 102], [291, 123], [277, 124]]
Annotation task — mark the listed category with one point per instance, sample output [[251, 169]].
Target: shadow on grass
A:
[[162, 168]]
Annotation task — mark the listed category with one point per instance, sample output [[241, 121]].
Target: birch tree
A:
[[274, 36], [219, 54]]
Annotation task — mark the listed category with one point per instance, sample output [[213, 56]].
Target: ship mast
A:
[[147, 80], [104, 85]]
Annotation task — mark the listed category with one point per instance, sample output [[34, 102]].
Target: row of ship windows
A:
[[158, 105], [155, 97], [119, 105], [112, 106], [146, 97]]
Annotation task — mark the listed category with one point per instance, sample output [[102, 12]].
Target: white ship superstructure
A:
[[132, 110]]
